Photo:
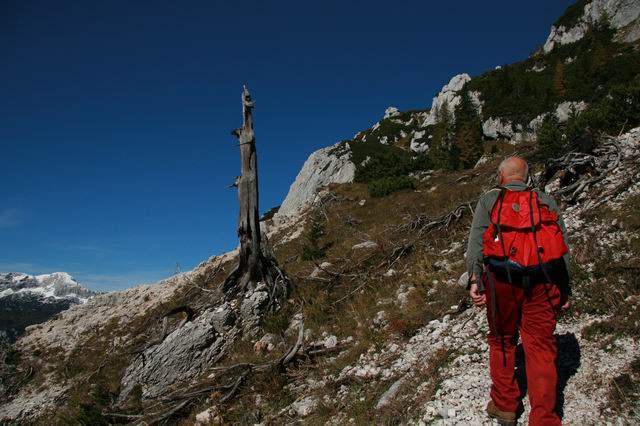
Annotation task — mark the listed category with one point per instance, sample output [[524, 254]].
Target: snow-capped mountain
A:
[[27, 299], [58, 285]]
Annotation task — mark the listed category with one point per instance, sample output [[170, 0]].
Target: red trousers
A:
[[534, 316]]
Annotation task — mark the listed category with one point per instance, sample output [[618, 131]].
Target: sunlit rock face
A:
[[450, 96], [323, 167], [622, 15]]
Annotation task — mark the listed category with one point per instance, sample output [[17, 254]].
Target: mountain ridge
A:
[[26, 299]]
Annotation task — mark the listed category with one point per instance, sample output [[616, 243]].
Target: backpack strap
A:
[[503, 190], [535, 239]]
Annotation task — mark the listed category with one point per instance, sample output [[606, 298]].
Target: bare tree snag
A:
[[255, 265]]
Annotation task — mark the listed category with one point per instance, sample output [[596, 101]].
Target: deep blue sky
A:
[[115, 115]]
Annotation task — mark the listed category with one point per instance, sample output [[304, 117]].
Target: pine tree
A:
[[558, 80], [549, 138], [468, 136], [440, 150]]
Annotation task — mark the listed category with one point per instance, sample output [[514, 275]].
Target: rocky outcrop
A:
[[195, 345], [563, 111], [325, 166], [183, 354], [495, 128], [415, 145], [622, 15], [450, 96], [391, 112]]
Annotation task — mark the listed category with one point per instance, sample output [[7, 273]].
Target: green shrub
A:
[[311, 250], [389, 184], [550, 138], [390, 163], [619, 109]]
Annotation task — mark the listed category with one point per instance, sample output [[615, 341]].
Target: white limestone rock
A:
[[449, 95], [391, 393], [496, 127], [330, 342], [323, 167], [365, 245], [537, 68], [418, 146], [391, 112], [535, 124], [210, 416], [481, 161], [403, 294], [320, 270], [476, 100], [564, 109], [304, 407], [621, 15], [562, 112]]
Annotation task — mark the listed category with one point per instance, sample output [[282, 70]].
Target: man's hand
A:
[[566, 306], [479, 299]]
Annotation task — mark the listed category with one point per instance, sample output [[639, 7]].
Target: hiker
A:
[[517, 260]]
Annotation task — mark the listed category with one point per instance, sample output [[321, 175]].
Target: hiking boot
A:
[[504, 418]]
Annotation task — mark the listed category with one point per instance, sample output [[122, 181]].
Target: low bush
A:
[[389, 184]]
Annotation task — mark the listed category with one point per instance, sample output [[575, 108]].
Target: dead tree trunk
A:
[[254, 265], [249, 223]]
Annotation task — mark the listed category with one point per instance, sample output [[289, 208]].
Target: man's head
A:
[[512, 169]]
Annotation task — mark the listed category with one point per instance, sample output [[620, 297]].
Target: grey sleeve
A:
[[481, 221]]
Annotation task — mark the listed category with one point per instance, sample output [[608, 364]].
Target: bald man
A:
[[521, 304]]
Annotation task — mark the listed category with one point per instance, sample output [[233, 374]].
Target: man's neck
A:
[[513, 181]]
